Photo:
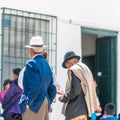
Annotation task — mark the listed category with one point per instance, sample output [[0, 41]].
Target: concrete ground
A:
[[56, 114], [1, 118]]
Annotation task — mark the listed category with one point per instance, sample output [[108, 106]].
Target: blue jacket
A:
[[38, 83], [109, 118]]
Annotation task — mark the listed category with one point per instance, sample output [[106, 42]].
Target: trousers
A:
[[81, 117], [42, 114]]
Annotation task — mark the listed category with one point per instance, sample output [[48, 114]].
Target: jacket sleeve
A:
[[31, 81], [12, 96], [74, 91], [51, 91]]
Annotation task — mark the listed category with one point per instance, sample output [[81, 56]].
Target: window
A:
[[17, 29]]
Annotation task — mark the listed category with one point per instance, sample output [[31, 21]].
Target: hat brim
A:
[[63, 64], [28, 46]]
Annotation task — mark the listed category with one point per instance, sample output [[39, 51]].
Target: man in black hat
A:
[[80, 98]]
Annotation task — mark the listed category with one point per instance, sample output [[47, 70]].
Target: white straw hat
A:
[[36, 42]]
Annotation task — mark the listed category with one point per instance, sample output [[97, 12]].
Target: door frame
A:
[[104, 33]]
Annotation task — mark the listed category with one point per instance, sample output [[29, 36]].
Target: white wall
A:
[[69, 39], [99, 12]]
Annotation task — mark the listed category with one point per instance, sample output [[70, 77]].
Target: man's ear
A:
[[31, 52]]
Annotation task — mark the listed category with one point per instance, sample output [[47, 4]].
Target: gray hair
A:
[[38, 50]]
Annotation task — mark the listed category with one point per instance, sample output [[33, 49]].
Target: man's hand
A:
[[27, 107], [60, 92], [59, 98], [99, 110]]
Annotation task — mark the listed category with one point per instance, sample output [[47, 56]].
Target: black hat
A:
[[69, 55]]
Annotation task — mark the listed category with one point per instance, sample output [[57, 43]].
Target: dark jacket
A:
[[76, 102], [10, 102], [38, 83]]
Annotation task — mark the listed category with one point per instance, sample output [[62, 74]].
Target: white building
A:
[[89, 28]]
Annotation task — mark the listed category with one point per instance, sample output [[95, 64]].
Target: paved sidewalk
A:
[[1, 118], [56, 114]]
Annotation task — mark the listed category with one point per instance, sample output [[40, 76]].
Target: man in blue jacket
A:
[[39, 90]]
